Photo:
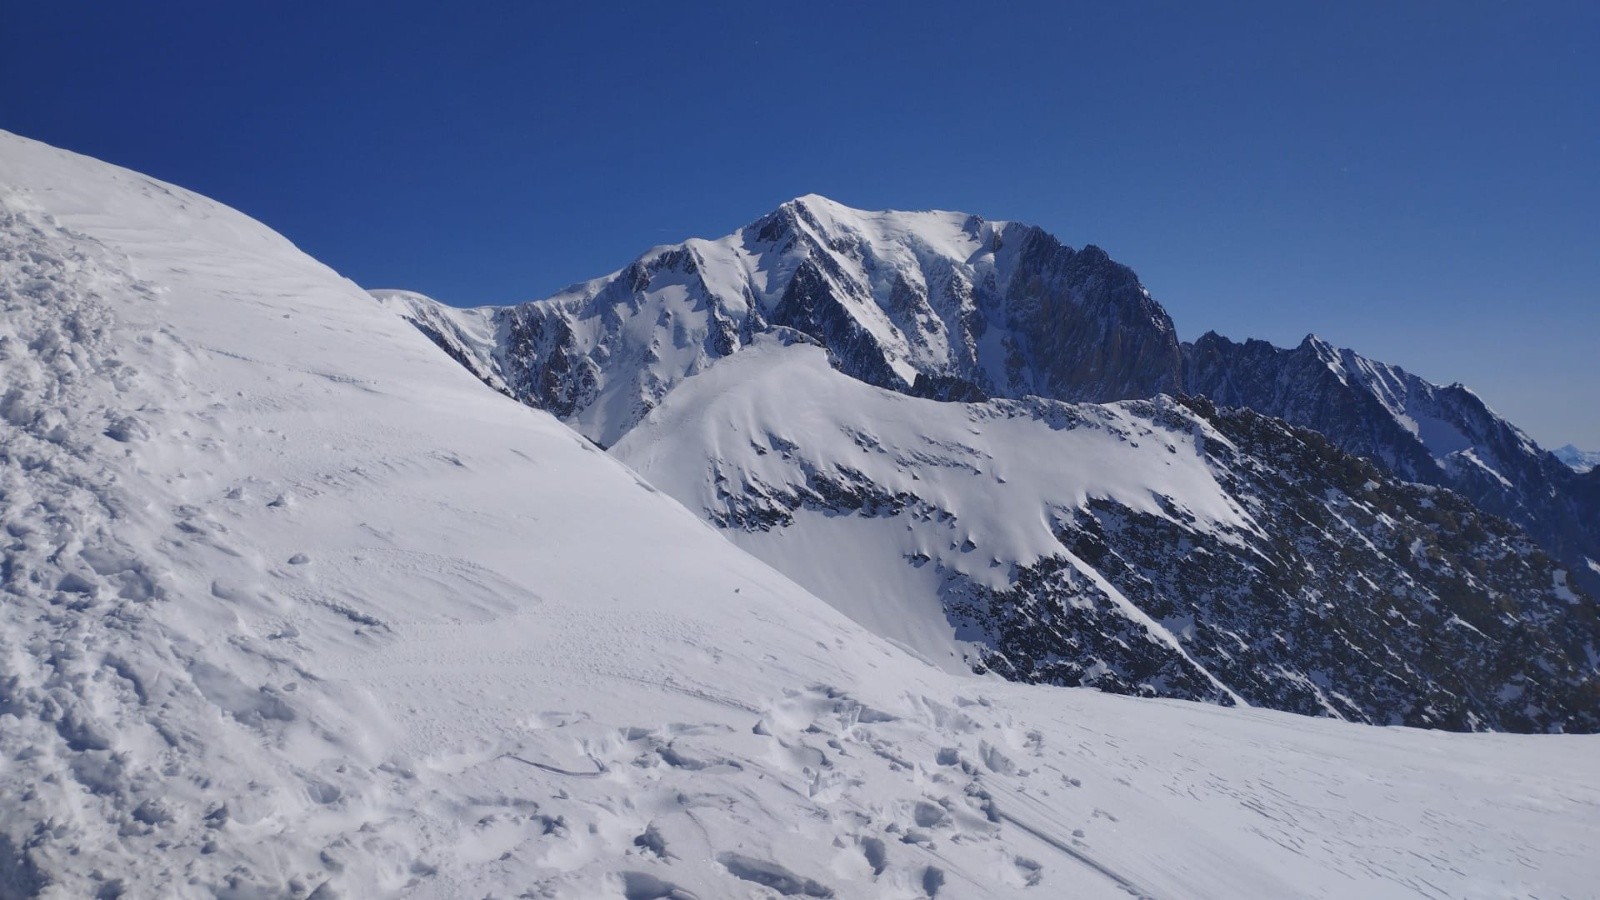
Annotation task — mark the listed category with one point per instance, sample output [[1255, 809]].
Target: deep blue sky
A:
[[1418, 181]]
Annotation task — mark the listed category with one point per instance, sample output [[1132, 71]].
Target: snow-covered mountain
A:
[[950, 306], [293, 606], [1579, 460], [1161, 548], [1443, 436], [930, 303]]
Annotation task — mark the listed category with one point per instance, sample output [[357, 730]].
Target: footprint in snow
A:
[[772, 875]]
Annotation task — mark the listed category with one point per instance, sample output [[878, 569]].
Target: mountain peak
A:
[[818, 200], [900, 297], [884, 226], [1093, 253], [812, 206], [1578, 460], [1312, 342]]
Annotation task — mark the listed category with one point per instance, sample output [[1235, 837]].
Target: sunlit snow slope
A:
[[294, 605]]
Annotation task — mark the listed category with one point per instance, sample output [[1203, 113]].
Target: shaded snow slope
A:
[[294, 606], [1164, 548]]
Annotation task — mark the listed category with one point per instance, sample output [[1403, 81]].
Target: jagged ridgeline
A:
[[1363, 568]]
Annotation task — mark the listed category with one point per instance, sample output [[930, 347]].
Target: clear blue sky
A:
[[1420, 181]]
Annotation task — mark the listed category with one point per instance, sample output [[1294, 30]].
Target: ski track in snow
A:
[[296, 607]]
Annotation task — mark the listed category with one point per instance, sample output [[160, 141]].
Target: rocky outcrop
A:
[[1081, 327], [1443, 436]]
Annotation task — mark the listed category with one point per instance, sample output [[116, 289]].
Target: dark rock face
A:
[[1364, 408], [1373, 624], [810, 305], [1054, 625], [1301, 388], [546, 367], [1084, 328]]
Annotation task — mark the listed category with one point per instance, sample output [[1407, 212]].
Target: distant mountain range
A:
[[1580, 460], [1308, 563]]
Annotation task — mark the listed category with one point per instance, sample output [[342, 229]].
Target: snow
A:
[[1578, 460], [897, 601], [294, 605], [651, 342], [748, 406], [470, 332], [1414, 403], [1470, 456], [999, 473], [1564, 590]]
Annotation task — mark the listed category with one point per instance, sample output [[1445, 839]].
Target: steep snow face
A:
[[1579, 461], [1420, 431], [932, 303], [1149, 548], [294, 606]]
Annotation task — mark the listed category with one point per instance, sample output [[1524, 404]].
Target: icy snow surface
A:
[[294, 605]]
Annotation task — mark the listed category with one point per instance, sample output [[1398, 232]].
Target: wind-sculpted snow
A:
[[294, 606], [1160, 549]]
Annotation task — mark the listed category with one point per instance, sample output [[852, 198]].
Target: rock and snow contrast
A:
[[1054, 542], [1442, 436], [295, 606], [933, 303], [953, 307], [1158, 548]]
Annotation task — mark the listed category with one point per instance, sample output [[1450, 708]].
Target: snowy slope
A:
[[972, 489], [1165, 548], [294, 606]]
